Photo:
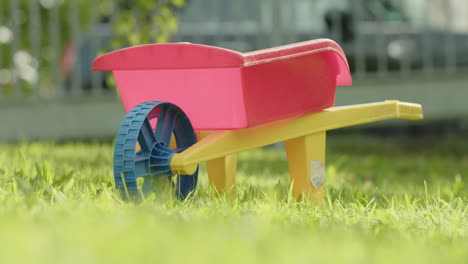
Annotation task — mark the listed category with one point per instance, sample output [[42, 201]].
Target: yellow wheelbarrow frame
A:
[[304, 137]]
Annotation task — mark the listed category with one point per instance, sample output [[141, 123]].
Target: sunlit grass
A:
[[387, 201]]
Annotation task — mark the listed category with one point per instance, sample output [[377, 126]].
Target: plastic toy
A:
[[190, 103]]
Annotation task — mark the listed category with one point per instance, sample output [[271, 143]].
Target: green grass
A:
[[388, 201]]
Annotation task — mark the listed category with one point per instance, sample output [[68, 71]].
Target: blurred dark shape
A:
[[340, 21]]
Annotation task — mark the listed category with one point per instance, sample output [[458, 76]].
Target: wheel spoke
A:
[[146, 137], [142, 166], [165, 125], [148, 184]]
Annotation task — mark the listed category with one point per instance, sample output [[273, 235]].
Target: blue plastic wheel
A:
[[152, 161]]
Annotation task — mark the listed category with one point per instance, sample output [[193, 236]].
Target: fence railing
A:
[[46, 49]]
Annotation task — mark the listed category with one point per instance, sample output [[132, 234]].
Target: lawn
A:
[[388, 201]]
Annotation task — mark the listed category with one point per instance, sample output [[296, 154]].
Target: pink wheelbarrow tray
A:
[[189, 103]]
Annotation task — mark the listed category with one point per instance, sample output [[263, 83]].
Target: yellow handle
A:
[[223, 143]]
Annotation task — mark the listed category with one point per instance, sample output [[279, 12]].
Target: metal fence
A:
[[46, 50]]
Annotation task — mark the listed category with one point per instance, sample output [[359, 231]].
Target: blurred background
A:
[[411, 50]]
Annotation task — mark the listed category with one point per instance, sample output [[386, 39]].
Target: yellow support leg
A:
[[222, 173], [306, 163]]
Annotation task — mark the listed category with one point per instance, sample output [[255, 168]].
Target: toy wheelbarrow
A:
[[189, 103]]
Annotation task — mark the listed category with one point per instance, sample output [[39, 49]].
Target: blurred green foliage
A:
[[142, 21], [45, 27], [135, 21]]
